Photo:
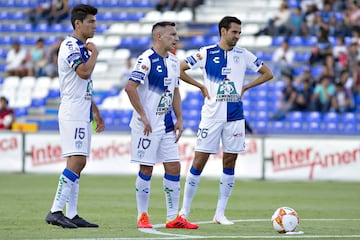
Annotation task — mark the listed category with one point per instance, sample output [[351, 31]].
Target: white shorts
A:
[[232, 135], [155, 148], [75, 138]]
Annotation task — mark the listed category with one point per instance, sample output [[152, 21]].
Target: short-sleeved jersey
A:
[[76, 93], [224, 74], [158, 77]]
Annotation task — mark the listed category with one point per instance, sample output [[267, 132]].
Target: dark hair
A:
[[5, 100], [162, 24], [81, 11], [226, 21]]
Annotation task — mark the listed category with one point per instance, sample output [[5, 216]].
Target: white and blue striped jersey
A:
[[158, 77], [75, 92], [224, 74]]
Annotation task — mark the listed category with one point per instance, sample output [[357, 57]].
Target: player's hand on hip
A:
[[147, 125], [205, 92]]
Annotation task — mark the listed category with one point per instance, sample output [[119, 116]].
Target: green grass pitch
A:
[[327, 210]]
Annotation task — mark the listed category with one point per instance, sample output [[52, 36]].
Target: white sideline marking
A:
[[184, 236]]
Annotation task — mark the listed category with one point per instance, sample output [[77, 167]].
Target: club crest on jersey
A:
[[236, 59], [198, 56], [227, 92], [78, 144], [140, 154], [164, 103]]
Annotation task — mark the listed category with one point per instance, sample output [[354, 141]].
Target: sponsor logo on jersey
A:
[[164, 103], [214, 51], [227, 92], [155, 60], [137, 76], [225, 71], [167, 82]]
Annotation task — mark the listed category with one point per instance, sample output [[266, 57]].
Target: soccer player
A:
[[224, 66], [76, 63], [153, 91]]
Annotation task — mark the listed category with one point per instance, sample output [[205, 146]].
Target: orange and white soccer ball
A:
[[285, 219]]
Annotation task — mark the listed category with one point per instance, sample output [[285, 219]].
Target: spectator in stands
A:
[[179, 5], [40, 12], [321, 53], [287, 98], [15, 61], [283, 59], [164, 5], [326, 13], [323, 93], [346, 79], [340, 54], [305, 75], [354, 13], [59, 11], [36, 59], [51, 69], [343, 100], [277, 25], [352, 51], [7, 117], [303, 97], [309, 17], [356, 79], [297, 26]]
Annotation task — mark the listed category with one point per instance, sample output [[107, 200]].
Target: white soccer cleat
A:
[[222, 220]]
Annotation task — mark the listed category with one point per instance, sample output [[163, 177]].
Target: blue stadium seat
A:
[[143, 4], [349, 117], [312, 117], [195, 42], [293, 3], [357, 99], [316, 71], [213, 30], [261, 116], [310, 41], [331, 117], [20, 112], [6, 40], [3, 53], [296, 126], [294, 116], [40, 102], [277, 40], [313, 127], [296, 41], [212, 40], [330, 127], [302, 56], [4, 15]]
